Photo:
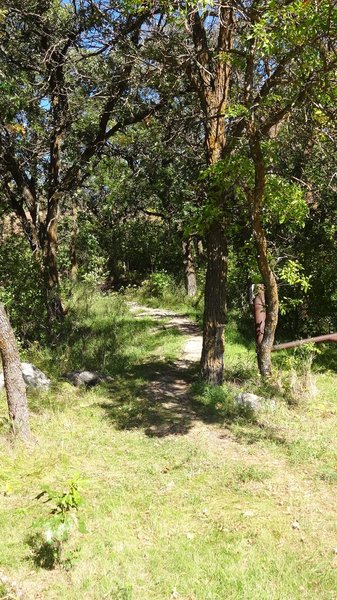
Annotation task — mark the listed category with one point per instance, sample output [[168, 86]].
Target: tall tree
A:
[[77, 63], [250, 64], [202, 52]]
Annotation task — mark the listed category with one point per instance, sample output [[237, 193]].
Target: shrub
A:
[[158, 284], [22, 289]]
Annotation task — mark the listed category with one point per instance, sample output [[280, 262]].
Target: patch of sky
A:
[[45, 103]]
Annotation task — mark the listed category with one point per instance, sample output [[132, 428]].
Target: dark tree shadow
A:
[[154, 397], [101, 346], [159, 398], [44, 555]]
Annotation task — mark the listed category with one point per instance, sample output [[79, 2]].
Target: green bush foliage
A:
[[21, 289]]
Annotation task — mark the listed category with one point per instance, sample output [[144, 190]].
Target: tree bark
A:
[[264, 349], [54, 305], [211, 79], [212, 358], [189, 268], [73, 246], [14, 383]]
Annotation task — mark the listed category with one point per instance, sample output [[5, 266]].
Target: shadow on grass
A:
[[256, 432], [326, 359], [153, 397], [105, 345], [165, 399], [44, 555], [150, 394]]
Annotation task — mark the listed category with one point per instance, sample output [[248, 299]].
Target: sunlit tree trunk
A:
[[212, 80], [264, 349], [14, 383]]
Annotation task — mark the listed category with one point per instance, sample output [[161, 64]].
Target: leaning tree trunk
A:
[[189, 268], [212, 358], [264, 349], [14, 383]]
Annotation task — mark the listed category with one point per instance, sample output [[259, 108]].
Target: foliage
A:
[[158, 283], [21, 290], [284, 203], [60, 524]]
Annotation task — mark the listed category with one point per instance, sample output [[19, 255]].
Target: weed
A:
[[245, 473], [328, 474], [57, 526], [293, 374], [120, 592]]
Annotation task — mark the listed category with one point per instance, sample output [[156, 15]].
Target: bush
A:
[[158, 284], [21, 289]]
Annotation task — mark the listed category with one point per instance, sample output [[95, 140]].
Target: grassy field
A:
[[232, 508]]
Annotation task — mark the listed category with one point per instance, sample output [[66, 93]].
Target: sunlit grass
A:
[[206, 515]]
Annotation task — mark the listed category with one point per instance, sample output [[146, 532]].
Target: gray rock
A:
[[87, 378], [249, 401], [32, 376]]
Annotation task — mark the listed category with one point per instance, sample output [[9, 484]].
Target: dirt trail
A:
[[192, 347], [169, 383], [168, 390]]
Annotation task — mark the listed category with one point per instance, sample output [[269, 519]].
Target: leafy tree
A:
[[250, 65], [69, 85]]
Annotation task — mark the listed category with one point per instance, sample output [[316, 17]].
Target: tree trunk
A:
[[73, 246], [14, 383], [212, 358], [210, 76], [54, 305], [256, 196], [264, 349], [51, 275], [189, 268], [199, 248]]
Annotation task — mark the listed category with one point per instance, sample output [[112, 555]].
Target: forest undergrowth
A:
[[233, 506]]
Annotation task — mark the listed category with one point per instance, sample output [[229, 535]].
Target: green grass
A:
[[206, 514], [173, 298]]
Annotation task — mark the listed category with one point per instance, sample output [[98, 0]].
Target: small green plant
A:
[[57, 527], [219, 402]]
